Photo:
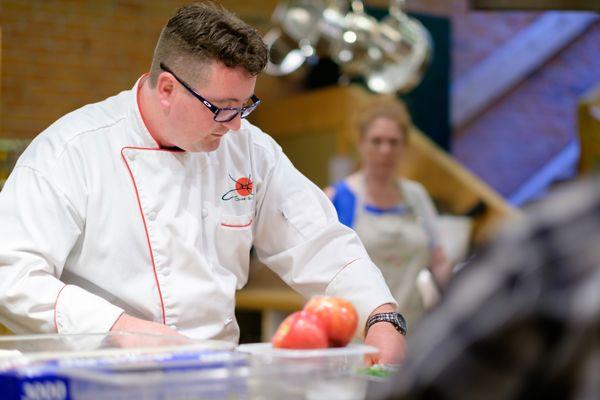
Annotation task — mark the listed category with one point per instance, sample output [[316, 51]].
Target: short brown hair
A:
[[393, 110], [204, 32]]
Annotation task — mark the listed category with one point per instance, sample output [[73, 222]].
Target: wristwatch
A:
[[394, 318]]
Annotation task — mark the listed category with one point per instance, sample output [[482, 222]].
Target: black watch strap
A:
[[393, 318]]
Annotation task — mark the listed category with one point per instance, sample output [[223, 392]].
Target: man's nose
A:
[[235, 124]]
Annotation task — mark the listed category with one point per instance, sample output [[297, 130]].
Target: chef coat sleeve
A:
[[39, 227], [298, 235]]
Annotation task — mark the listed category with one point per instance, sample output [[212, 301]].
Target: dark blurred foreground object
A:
[[522, 320], [592, 5]]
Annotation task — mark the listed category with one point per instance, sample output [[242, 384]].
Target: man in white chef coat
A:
[[138, 212]]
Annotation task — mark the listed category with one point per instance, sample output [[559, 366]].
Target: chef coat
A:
[[97, 219]]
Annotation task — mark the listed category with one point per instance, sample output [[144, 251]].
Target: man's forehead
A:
[[227, 84]]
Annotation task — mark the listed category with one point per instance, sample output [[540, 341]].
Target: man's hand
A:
[[132, 324], [384, 336]]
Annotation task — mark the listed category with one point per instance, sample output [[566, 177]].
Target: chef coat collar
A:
[[143, 135]]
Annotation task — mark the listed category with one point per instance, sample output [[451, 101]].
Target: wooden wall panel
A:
[[58, 55], [589, 131]]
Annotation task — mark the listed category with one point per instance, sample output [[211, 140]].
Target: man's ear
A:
[[165, 87]]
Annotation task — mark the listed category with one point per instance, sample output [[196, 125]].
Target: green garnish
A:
[[378, 371]]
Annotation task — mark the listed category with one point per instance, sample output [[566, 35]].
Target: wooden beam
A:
[[303, 114], [589, 130], [511, 63]]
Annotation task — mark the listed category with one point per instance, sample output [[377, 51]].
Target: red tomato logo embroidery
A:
[[243, 186], [242, 189]]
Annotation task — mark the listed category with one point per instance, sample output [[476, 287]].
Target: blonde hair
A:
[[393, 110]]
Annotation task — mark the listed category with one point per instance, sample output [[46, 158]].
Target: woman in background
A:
[[393, 216]]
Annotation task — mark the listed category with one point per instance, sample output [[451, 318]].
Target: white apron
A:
[[398, 245]]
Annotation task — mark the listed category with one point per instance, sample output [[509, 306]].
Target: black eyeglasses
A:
[[224, 114]]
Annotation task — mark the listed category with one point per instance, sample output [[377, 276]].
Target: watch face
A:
[[400, 321]]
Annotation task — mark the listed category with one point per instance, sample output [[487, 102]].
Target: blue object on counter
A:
[[189, 374]]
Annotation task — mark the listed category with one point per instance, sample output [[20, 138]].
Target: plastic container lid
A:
[[267, 350], [57, 346]]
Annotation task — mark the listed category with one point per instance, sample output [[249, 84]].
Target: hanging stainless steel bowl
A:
[[353, 50], [295, 35], [300, 19], [408, 49], [285, 56], [333, 22]]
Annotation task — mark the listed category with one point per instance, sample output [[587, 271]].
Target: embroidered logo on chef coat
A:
[[242, 189]]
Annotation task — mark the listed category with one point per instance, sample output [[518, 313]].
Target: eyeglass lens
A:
[[226, 114]]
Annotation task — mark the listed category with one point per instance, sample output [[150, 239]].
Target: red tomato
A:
[[338, 315], [300, 330]]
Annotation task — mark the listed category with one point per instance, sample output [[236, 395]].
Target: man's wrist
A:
[[387, 307], [393, 318]]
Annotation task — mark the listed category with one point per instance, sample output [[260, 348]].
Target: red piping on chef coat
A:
[[344, 267], [137, 195], [237, 226], [55, 303]]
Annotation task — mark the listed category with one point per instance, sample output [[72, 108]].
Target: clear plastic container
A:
[[155, 367], [120, 366], [331, 374], [209, 375]]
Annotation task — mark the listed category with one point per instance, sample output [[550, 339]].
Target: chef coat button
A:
[[166, 272], [152, 215], [204, 213], [131, 157]]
